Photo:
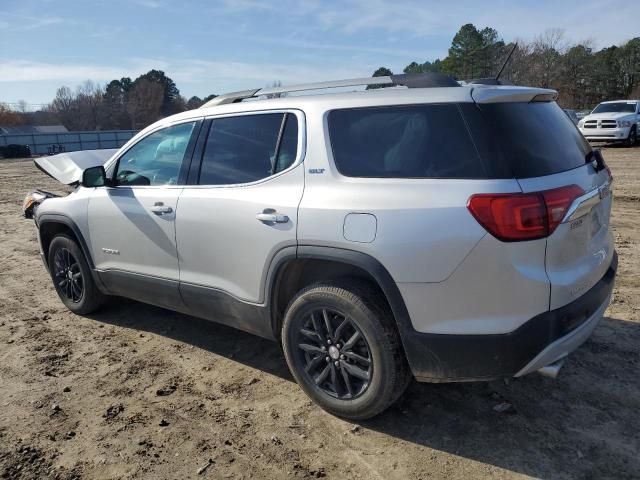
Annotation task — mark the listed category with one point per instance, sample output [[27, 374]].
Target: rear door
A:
[[546, 151], [240, 211]]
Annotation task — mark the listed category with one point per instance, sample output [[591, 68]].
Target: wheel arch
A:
[[50, 225], [315, 263]]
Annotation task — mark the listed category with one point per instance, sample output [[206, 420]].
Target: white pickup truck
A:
[[616, 121]]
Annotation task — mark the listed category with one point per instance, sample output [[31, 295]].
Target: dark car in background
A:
[[15, 151]]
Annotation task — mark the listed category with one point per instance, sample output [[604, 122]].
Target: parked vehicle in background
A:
[[572, 115], [15, 151], [615, 121], [378, 234]]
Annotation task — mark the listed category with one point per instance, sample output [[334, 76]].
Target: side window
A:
[[157, 158], [247, 148], [414, 141]]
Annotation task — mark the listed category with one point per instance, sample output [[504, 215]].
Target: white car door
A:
[[132, 221]]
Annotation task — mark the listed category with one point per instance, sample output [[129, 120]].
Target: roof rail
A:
[[409, 80]]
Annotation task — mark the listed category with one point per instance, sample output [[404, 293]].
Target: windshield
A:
[[619, 107]]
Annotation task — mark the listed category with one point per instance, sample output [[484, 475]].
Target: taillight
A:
[[515, 217]]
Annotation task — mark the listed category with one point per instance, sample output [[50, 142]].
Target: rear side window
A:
[[243, 149], [415, 141], [535, 139]]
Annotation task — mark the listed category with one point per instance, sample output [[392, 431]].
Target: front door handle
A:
[[159, 208], [269, 215]]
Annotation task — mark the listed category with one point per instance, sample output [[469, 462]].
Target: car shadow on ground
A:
[[228, 342], [582, 424]]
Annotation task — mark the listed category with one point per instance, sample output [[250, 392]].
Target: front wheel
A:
[[632, 139], [71, 276], [344, 350]]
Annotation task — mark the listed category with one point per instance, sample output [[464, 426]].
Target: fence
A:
[[43, 143]]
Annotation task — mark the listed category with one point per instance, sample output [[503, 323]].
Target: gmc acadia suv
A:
[[445, 232]]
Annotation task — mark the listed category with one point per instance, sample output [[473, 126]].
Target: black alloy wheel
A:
[[335, 354], [343, 348], [68, 276], [72, 276]]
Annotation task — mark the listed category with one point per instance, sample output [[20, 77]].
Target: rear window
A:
[[500, 140], [535, 139], [415, 141]]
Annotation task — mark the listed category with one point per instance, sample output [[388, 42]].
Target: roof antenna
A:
[[515, 45]]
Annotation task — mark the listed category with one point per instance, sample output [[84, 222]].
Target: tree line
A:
[[120, 105], [583, 77]]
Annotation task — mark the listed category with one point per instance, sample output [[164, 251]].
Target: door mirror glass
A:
[[94, 177]]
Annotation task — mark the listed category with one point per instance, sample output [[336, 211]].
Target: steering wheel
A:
[[129, 177]]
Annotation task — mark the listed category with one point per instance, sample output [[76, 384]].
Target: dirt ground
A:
[[139, 392]]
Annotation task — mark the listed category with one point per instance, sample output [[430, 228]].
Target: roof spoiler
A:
[[504, 94], [409, 80]]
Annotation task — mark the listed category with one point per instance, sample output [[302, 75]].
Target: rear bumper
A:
[[540, 341]]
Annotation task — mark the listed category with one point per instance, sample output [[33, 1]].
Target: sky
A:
[[226, 45]]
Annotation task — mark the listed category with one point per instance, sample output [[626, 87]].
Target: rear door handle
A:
[[159, 208], [270, 216]]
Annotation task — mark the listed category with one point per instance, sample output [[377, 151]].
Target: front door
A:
[[243, 210], [132, 223]]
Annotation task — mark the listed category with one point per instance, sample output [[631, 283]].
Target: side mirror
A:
[[94, 177]]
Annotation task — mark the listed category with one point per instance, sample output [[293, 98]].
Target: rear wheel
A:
[[72, 277], [343, 349]]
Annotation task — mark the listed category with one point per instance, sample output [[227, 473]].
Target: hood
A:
[[67, 168], [608, 116]]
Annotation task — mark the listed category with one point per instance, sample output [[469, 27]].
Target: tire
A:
[[632, 139], [72, 277], [359, 368]]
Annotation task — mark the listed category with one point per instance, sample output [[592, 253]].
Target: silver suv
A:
[[431, 230]]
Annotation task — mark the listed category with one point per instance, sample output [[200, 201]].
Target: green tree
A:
[[576, 65], [413, 67], [425, 67], [171, 100], [605, 75], [194, 102], [462, 62], [628, 59], [145, 103], [116, 96], [380, 72]]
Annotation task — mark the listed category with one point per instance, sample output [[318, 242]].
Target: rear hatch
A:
[[545, 151]]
